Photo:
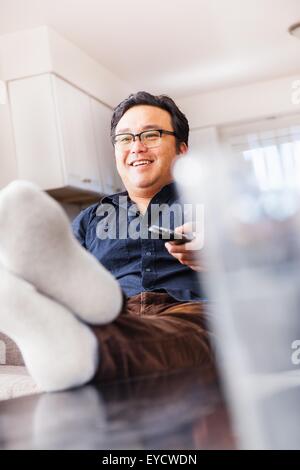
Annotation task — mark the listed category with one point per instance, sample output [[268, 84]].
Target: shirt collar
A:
[[166, 193]]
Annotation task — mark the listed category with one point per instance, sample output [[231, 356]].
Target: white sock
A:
[[37, 244], [59, 351]]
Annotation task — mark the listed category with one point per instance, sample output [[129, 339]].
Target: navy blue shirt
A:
[[116, 233]]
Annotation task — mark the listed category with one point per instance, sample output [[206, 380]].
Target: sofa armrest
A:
[[16, 382], [10, 355]]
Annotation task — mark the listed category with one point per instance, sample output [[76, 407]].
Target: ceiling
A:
[[172, 46]]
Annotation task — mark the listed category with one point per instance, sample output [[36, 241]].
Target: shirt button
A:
[[148, 269], [148, 253]]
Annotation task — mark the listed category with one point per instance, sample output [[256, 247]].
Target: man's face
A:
[[150, 177]]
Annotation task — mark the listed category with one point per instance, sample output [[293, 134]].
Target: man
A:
[[70, 319]]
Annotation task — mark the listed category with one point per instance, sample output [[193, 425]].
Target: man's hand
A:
[[187, 253]]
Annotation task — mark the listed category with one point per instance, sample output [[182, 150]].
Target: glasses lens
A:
[[150, 138], [123, 140]]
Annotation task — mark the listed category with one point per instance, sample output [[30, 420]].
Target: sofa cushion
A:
[[16, 382], [10, 354]]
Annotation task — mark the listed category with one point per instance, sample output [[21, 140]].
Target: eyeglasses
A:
[[150, 139]]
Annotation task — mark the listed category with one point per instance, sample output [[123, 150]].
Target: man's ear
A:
[[183, 148]]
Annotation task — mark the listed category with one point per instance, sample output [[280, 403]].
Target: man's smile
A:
[[141, 163]]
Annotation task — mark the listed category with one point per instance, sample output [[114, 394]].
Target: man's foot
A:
[[59, 351], [37, 244]]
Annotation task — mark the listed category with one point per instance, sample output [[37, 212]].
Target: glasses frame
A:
[[161, 132]]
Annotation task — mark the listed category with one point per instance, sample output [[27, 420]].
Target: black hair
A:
[[179, 121]]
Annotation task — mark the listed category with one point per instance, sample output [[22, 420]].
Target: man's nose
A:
[[137, 146]]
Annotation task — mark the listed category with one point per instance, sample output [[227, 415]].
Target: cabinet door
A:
[[38, 147], [101, 115], [8, 163], [80, 153]]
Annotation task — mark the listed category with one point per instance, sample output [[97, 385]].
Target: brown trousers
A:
[[154, 333]]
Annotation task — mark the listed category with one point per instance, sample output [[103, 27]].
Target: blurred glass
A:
[[252, 245]]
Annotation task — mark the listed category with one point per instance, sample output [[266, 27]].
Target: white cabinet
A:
[[101, 116], [79, 146], [62, 136], [35, 124], [8, 164]]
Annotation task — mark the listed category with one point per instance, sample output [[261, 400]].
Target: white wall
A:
[[25, 53], [74, 65], [42, 50], [239, 104]]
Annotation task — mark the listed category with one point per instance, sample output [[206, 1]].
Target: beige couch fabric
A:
[[10, 354], [16, 382]]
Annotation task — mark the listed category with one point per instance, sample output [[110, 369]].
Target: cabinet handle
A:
[[86, 180]]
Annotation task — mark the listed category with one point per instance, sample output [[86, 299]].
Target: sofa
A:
[[15, 380]]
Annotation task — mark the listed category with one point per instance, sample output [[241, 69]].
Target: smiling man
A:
[[128, 306], [145, 163]]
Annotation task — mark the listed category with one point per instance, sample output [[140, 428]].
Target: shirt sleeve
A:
[[81, 222]]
